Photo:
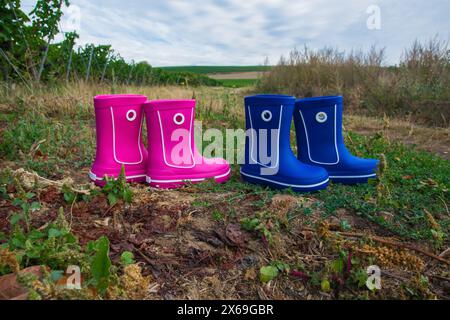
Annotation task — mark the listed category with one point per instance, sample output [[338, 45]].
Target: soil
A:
[[190, 255]]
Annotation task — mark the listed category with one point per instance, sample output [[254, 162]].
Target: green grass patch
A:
[[238, 83], [47, 145], [216, 69], [411, 184]]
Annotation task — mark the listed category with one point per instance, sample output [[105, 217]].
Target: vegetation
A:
[[216, 69], [311, 246], [417, 89], [29, 55], [238, 83], [206, 241]]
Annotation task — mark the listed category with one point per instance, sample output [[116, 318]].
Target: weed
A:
[[270, 272], [263, 224], [118, 189]]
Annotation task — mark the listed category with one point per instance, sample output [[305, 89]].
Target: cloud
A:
[[236, 32]]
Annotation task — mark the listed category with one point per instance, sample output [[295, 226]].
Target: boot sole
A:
[[100, 182], [280, 185], [178, 183]]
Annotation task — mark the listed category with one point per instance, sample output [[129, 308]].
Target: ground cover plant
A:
[[209, 241]]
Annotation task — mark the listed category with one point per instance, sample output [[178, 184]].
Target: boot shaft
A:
[[119, 121], [268, 121], [318, 123]]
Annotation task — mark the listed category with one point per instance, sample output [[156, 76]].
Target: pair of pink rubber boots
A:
[[171, 159]]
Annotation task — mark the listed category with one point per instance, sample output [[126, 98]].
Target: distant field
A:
[[238, 83], [217, 69], [237, 75], [229, 76]]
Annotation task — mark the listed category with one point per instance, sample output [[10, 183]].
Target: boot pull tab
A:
[[178, 118], [131, 115], [266, 115], [321, 117]]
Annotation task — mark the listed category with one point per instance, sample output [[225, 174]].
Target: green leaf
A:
[[337, 265], [15, 218], [35, 235], [127, 195], [17, 202], [35, 206], [268, 273], [29, 195], [325, 285], [101, 264], [69, 197], [54, 233], [127, 258], [17, 243], [112, 199]]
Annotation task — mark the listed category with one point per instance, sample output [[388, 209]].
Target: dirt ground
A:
[[191, 255]]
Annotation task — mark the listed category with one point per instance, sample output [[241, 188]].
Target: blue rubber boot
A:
[[269, 159], [318, 123]]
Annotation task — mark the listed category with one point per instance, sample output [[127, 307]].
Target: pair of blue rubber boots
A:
[[322, 155]]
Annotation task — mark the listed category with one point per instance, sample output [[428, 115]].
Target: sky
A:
[[245, 32]]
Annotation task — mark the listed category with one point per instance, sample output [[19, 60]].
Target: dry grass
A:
[[418, 88], [76, 99], [436, 140]]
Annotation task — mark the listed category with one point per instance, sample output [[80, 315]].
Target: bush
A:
[[418, 89]]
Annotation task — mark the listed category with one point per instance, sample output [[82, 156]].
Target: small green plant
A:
[[54, 246], [217, 215], [24, 201], [270, 272], [345, 226], [118, 189], [72, 196], [262, 224], [127, 258], [100, 263]]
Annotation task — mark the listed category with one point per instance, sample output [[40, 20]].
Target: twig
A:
[[395, 276], [440, 278], [32, 176], [149, 261], [444, 253]]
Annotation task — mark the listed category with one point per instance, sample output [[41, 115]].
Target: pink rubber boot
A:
[[173, 157], [119, 121]]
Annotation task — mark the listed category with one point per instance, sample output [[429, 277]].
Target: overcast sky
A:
[[244, 32]]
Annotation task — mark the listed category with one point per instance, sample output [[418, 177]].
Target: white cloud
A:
[[236, 32]]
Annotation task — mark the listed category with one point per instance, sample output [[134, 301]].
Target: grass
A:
[[216, 69], [238, 83], [417, 89], [55, 138]]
